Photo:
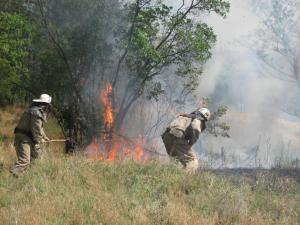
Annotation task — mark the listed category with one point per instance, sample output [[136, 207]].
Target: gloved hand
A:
[[45, 139]]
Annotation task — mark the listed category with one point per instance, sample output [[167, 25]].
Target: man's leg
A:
[[36, 152], [192, 162], [168, 140], [23, 157], [185, 155], [181, 151]]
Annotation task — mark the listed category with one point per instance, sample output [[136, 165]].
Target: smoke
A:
[[261, 128]]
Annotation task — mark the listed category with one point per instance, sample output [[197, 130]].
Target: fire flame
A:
[[109, 146], [106, 98], [92, 151]]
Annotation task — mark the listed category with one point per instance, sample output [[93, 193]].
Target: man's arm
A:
[[194, 131], [44, 135], [36, 126], [194, 137]]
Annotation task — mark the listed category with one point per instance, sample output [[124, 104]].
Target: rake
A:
[[70, 145]]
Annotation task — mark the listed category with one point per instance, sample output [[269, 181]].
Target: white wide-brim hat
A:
[[43, 98]]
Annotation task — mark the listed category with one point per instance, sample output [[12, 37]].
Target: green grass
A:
[[73, 190]]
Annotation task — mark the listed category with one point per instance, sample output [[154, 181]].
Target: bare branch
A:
[[56, 44], [64, 57], [177, 22], [182, 5], [130, 35]]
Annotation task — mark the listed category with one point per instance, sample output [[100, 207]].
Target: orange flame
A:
[[112, 155], [108, 110], [139, 152], [112, 146], [92, 151]]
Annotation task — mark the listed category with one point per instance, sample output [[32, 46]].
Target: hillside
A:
[[74, 190]]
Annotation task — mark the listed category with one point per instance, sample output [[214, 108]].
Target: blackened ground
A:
[[254, 174]]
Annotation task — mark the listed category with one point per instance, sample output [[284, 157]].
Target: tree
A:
[[15, 40], [279, 38], [11, 6], [158, 39], [81, 45], [72, 36], [129, 46]]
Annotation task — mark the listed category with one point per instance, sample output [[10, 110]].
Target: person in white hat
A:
[[29, 133], [182, 134]]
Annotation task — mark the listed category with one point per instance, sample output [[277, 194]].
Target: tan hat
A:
[[43, 98]]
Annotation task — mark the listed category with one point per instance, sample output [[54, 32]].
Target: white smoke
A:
[[234, 77], [260, 128]]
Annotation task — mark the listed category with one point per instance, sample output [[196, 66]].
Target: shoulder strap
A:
[[195, 115]]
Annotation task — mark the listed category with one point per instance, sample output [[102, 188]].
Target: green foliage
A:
[[70, 45], [12, 6], [15, 40], [216, 127], [278, 38], [162, 37], [79, 45]]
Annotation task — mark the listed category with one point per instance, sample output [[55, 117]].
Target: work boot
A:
[[16, 171]]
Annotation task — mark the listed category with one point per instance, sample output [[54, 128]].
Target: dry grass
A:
[[73, 190], [8, 119]]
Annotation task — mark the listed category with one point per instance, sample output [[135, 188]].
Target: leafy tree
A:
[[80, 45], [159, 38], [129, 46], [12, 6], [72, 43], [279, 38], [217, 128], [15, 40]]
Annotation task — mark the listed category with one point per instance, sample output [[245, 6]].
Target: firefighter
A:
[[29, 133], [182, 133]]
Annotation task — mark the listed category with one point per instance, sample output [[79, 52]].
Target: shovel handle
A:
[[57, 140]]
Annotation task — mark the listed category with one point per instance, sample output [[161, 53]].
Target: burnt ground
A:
[[254, 173]]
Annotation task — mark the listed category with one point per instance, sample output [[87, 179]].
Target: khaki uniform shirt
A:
[[32, 122], [190, 128]]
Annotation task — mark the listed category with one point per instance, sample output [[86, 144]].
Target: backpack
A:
[[180, 123]]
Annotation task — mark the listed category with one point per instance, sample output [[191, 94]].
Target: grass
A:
[[74, 190]]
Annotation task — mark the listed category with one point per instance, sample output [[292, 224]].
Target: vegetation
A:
[[15, 40], [80, 46], [278, 41], [74, 190], [71, 49]]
